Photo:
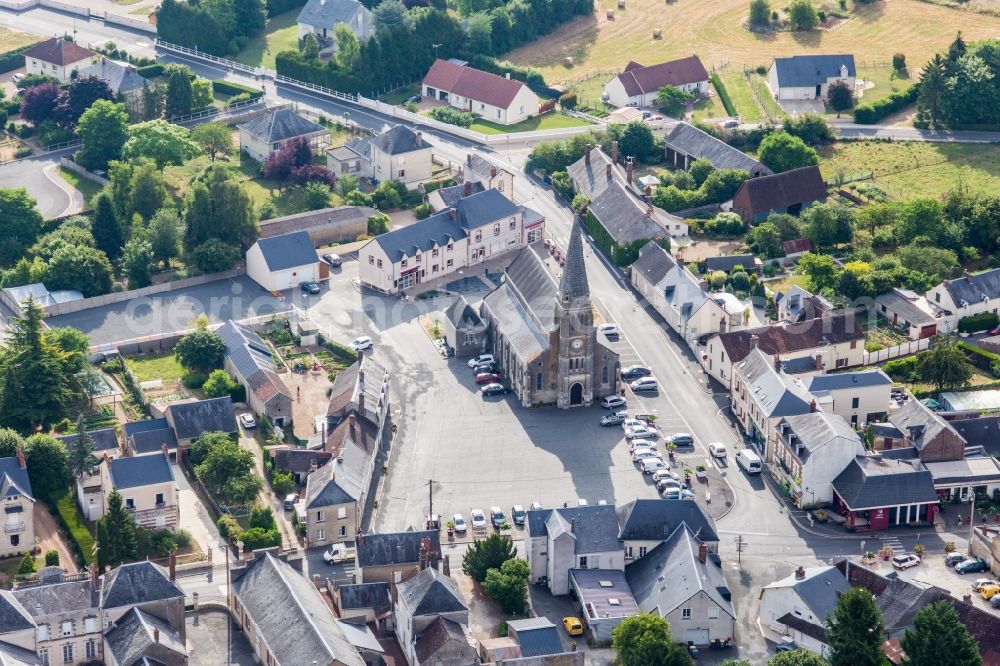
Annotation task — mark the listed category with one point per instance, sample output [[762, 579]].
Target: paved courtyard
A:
[[219, 641]]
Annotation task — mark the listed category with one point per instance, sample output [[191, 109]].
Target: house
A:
[[102, 440], [90, 486], [795, 248], [141, 638], [858, 397], [679, 581], [479, 228], [284, 262], [499, 99], [798, 605], [248, 360], [424, 600], [447, 197], [786, 192], [395, 557], [809, 76], [399, 153], [832, 341], [190, 419], [800, 304], [146, 484], [300, 463], [319, 17], [361, 389], [616, 206], [367, 602], [810, 451], [285, 618], [541, 330], [917, 426], [581, 537], [965, 296], [646, 523], [684, 143], [879, 492], [464, 330], [638, 84], [728, 263], [325, 226], [912, 314], [58, 58], [144, 586], [19, 506], [604, 600], [762, 394], [124, 82], [148, 436], [981, 432], [270, 131], [481, 170]]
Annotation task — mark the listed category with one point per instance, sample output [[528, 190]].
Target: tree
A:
[[229, 474], [214, 256], [390, 15], [116, 534], [204, 443], [854, 631], [945, 366], [108, 235], [787, 225], [48, 465], [310, 47], [827, 225], [780, 151], [486, 554], [161, 141], [179, 93], [214, 139], [27, 565], [250, 16], [313, 173], [802, 15], [938, 262], [103, 130], [20, 224], [722, 184], [348, 47], [219, 207], [137, 263], [508, 585], [812, 128], [820, 268], [10, 442], [52, 558], [760, 13], [765, 240], [899, 63], [939, 637], [932, 93], [79, 96], [85, 269], [798, 657], [282, 483], [38, 103], [72, 342], [147, 189], [200, 351], [165, 235], [154, 100], [734, 662], [839, 96], [699, 170], [672, 100], [645, 640], [201, 94], [480, 32], [82, 460], [315, 195], [75, 231], [218, 384], [635, 139]]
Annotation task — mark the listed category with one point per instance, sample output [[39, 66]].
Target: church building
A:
[[540, 327]]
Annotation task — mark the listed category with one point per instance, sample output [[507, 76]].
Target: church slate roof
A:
[[573, 286]]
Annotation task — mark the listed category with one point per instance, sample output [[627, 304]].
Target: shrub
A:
[[150, 71], [978, 322], [568, 100], [452, 116], [257, 537], [11, 60], [282, 483], [228, 526], [422, 211], [723, 94], [903, 369], [52, 558], [871, 113], [82, 541], [229, 88], [194, 380], [899, 62]]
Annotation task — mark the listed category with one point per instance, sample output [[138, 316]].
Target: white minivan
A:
[[749, 461]]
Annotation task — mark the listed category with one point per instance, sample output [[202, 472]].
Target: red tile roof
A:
[[639, 80], [797, 186], [58, 51], [472, 83], [797, 245]]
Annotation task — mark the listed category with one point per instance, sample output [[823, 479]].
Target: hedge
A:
[[11, 60], [150, 71], [275, 7], [723, 94], [82, 540], [978, 322], [227, 88], [869, 114]]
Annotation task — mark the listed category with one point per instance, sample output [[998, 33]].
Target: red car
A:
[[487, 378]]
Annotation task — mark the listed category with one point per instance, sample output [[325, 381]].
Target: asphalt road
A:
[[48, 23], [849, 130], [40, 177]]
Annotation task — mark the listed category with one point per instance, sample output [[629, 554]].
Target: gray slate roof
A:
[[778, 394], [451, 195], [291, 615], [119, 77], [139, 471], [897, 302], [194, 418], [366, 595], [281, 124], [137, 583], [689, 140], [819, 589], [328, 13], [654, 262], [537, 636], [104, 439], [846, 380], [594, 528], [288, 251], [252, 359], [13, 616], [151, 441], [573, 286], [393, 548], [133, 638], [338, 482], [13, 655], [817, 430], [806, 71], [438, 635], [868, 483], [399, 140], [974, 288], [983, 431], [57, 598], [902, 599], [462, 315], [14, 479], [728, 262], [919, 422], [430, 592], [147, 425], [654, 519]]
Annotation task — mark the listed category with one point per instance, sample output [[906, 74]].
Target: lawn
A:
[[741, 95], [787, 282], [88, 188], [544, 122], [766, 98], [709, 107], [399, 96], [907, 169], [148, 368], [885, 83], [15, 39], [282, 34]]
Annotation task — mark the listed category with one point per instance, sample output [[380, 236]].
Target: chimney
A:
[[93, 575], [359, 537], [453, 213], [468, 189], [20, 458], [493, 172], [812, 405], [468, 159], [755, 341], [586, 154], [156, 634], [702, 552], [446, 566], [649, 212], [967, 275], [424, 552], [777, 364], [361, 403], [614, 152], [353, 426], [572, 526], [628, 170], [609, 170], [800, 573], [173, 566], [166, 451]]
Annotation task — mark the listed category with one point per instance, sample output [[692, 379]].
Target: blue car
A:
[[971, 566]]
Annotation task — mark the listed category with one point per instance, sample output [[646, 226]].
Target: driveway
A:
[[50, 537], [40, 177], [797, 107], [194, 515], [214, 639]]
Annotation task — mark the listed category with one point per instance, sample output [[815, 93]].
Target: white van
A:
[[749, 461]]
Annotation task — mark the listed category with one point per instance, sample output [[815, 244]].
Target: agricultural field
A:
[[15, 39], [282, 34]]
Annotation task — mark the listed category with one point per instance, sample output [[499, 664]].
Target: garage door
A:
[[696, 636]]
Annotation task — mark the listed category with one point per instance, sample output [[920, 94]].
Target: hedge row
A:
[[275, 7], [227, 88], [869, 114], [11, 60], [723, 94], [150, 71], [978, 322], [82, 541]]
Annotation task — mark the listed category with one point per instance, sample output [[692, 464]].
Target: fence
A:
[[76, 168], [231, 64], [897, 351], [354, 99], [131, 23], [213, 111]]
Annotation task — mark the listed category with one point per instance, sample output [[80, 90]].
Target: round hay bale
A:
[[611, 15], [657, 33], [568, 61], [621, 4]]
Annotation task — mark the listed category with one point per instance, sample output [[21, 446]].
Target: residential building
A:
[[912, 314], [800, 304], [483, 171], [464, 330], [581, 537], [90, 486], [398, 153], [646, 523], [319, 17], [370, 603], [146, 437], [146, 484], [959, 480], [335, 492], [249, 361], [447, 197], [858, 397], [394, 557], [102, 440], [809, 76], [325, 226], [431, 598], [798, 605], [284, 262], [19, 506], [58, 58], [268, 132], [541, 330], [604, 599], [300, 463], [284, 617], [498, 99], [965, 296], [682, 583], [810, 451], [786, 192], [762, 394], [192, 418], [479, 228], [638, 84], [141, 638], [684, 143], [124, 82], [879, 492], [919, 427]]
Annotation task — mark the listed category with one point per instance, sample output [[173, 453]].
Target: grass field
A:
[[282, 35], [913, 169], [544, 122], [88, 188], [147, 368], [714, 30], [739, 92], [885, 83], [14, 39], [787, 282]]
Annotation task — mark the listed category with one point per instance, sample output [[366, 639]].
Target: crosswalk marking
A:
[[894, 544]]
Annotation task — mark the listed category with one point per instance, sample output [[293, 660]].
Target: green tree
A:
[[802, 15], [390, 15], [74, 232], [635, 139], [52, 558], [348, 47], [116, 534], [854, 631], [85, 269], [734, 662], [480, 32], [201, 94], [10, 442], [218, 206], [147, 189], [154, 100], [204, 443], [765, 240], [73, 342], [645, 640], [216, 139], [27, 565], [787, 225], [700, 170], [282, 483], [107, 231], [780, 151], [200, 351], [158, 140], [310, 47], [924, 258], [229, 474], [939, 637], [486, 554], [213, 256], [820, 268], [673, 101], [20, 224], [165, 235], [798, 657], [315, 195], [760, 13], [179, 93], [82, 460], [827, 225], [137, 263], [508, 585], [218, 384], [48, 465], [840, 96], [103, 130], [932, 94], [945, 366]]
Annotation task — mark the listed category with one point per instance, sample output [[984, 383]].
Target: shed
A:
[[605, 599], [282, 262]]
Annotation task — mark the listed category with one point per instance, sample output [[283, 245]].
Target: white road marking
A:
[[75, 197]]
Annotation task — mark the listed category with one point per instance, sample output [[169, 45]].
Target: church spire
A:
[[573, 287]]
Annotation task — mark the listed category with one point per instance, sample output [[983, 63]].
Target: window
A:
[[451, 246], [500, 186], [481, 106], [937, 297], [321, 534], [538, 382], [67, 628], [604, 375], [68, 653], [512, 225], [499, 114], [403, 263], [479, 236], [642, 551], [534, 235], [628, 552], [15, 540], [43, 655], [496, 229], [713, 613], [402, 173], [434, 268], [342, 512], [855, 402], [159, 499], [434, 252], [320, 516], [380, 263], [343, 530], [89, 625], [854, 344], [685, 613], [418, 259], [43, 632], [371, 259], [583, 562], [91, 649], [450, 263], [130, 503]]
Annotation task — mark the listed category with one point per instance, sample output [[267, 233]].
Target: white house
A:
[[318, 18], [809, 76], [271, 130], [58, 58], [283, 262], [857, 397], [965, 296], [638, 84], [579, 537], [499, 99], [799, 605], [912, 313], [646, 523], [487, 173], [19, 506], [396, 154], [810, 451]]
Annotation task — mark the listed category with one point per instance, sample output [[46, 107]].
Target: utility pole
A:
[[430, 492], [741, 545]]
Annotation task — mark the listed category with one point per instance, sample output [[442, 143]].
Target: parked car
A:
[[487, 378], [633, 423], [980, 583], [989, 591], [493, 389], [485, 367], [677, 493], [951, 559], [681, 439], [971, 566], [309, 287], [717, 449], [633, 372], [651, 465], [290, 501], [617, 418], [995, 601], [497, 517], [362, 343], [994, 331], [905, 561], [640, 432], [644, 384], [338, 553], [518, 514], [641, 454], [609, 330], [247, 420], [663, 484], [17, 77], [573, 626], [479, 360], [460, 526], [612, 402], [781, 647], [478, 518], [664, 474], [413, 98], [334, 260]]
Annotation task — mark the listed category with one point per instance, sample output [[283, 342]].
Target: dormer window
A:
[[403, 263]]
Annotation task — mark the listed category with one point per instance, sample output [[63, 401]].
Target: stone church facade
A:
[[540, 327]]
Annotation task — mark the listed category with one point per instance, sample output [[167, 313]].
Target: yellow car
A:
[[989, 591], [573, 626]]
